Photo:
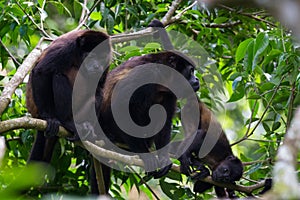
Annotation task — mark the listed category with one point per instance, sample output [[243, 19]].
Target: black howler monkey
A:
[[50, 85], [224, 165], [221, 161], [140, 103]]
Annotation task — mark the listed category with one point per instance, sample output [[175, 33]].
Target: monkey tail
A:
[[162, 33]]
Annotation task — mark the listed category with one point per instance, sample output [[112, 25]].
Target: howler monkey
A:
[[141, 101], [50, 85], [220, 158], [224, 165]]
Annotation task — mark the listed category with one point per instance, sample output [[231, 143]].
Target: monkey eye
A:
[[225, 170], [192, 71]]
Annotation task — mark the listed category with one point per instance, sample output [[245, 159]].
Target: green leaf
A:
[[261, 43], [273, 54], [152, 45], [266, 87], [129, 49], [266, 127], [248, 61], [96, 16], [168, 188], [110, 22], [236, 82], [174, 176], [241, 50], [237, 94], [220, 20], [276, 126]]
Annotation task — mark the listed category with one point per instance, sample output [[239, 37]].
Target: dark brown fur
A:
[[140, 103], [50, 85], [224, 165]]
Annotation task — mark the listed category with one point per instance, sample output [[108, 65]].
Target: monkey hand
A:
[[52, 127], [163, 171], [204, 172], [185, 164], [201, 187], [151, 162]]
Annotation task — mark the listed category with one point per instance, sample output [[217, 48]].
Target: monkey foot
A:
[[201, 175], [52, 127]]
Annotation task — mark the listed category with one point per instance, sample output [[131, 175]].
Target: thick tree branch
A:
[[32, 123], [132, 36], [28, 123], [19, 76], [135, 160], [166, 19]]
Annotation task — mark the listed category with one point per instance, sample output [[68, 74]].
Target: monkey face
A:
[[95, 63], [188, 73], [230, 170], [194, 82]]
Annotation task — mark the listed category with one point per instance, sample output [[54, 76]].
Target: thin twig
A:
[[263, 114], [88, 15], [9, 53], [144, 182], [248, 15], [223, 25], [179, 15], [291, 105], [32, 20], [83, 12], [268, 160]]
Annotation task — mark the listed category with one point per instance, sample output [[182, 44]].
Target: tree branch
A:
[[87, 15], [166, 19], [179, 15], [9, 53], [32, 20], [19, 76], [29, 123], [286, 185], [135, 160], [247, 135], [223, 25], [131, 36], [32, 123]]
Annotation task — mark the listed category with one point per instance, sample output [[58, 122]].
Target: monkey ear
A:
[[172, 61], [80, 42], [231, 157]]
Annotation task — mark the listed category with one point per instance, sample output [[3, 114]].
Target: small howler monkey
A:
[[224, 165], [50, 85]]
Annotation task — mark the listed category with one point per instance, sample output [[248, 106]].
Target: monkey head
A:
[[229, 170]]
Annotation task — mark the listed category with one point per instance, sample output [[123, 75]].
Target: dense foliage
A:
[[253, 64]]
